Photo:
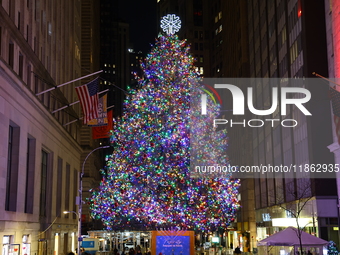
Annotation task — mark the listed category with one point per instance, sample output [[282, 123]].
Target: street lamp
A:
[[80, 194], [79, 227]]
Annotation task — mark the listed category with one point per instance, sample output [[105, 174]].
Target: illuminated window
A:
[[105, 65], [216, 19], [201, 70], [220, 15]]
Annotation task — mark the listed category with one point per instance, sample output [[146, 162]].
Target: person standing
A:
[[237, 250]]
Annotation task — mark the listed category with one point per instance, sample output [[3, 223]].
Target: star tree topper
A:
[[170, 24]]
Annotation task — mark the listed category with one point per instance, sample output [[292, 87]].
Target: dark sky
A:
[[142, 17]]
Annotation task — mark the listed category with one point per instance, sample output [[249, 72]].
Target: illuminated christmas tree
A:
[[148, 177]]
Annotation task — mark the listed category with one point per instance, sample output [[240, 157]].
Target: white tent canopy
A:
[[289, 237]]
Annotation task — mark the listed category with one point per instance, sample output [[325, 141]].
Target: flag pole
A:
[[68, 123], [318, 75], [59, 109], [80, 78]]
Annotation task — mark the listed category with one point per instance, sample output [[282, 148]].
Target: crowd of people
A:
[[131, 251]]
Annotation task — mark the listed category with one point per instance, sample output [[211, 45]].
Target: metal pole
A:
[[76, 102], [80, 202], [55, 87]]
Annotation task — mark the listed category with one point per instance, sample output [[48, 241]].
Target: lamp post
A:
[[80, 194]]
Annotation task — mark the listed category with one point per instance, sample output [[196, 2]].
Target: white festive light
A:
[[170, 24]]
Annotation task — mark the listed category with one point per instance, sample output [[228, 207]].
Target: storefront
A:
[[318, 217], [11, 248]]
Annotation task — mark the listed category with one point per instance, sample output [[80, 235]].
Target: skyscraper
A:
[[114, 55], [282, 44]]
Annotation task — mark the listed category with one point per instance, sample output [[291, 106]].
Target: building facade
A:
[[41, 152], [114, 53], [282, 45], [333, 55]]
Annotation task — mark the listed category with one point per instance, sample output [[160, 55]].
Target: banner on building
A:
[[103, 131], [102, 119]]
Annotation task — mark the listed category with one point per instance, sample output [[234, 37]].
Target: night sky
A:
[[142, 17]]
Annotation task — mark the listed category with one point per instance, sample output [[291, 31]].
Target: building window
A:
[[43, 187], [30, 175], [59, 186], [12, 9], [198, 13], [35, 44], [0, 39], [11, 55], [36, 84], [7, 241], [21, 65], [12, 168], [35, 10], [19, 21], [49, 28], [75, 190], [28, 82], [67, 189]]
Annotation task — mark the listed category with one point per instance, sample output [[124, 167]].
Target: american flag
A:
[[335, 97], [88, 97]]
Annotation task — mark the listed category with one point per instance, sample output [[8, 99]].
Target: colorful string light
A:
[[147, 180]]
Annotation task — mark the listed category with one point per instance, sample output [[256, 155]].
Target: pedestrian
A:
[[131, 251], [237, 250]]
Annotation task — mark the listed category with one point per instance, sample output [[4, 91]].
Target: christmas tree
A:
[[148, 177], [331, 247]]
